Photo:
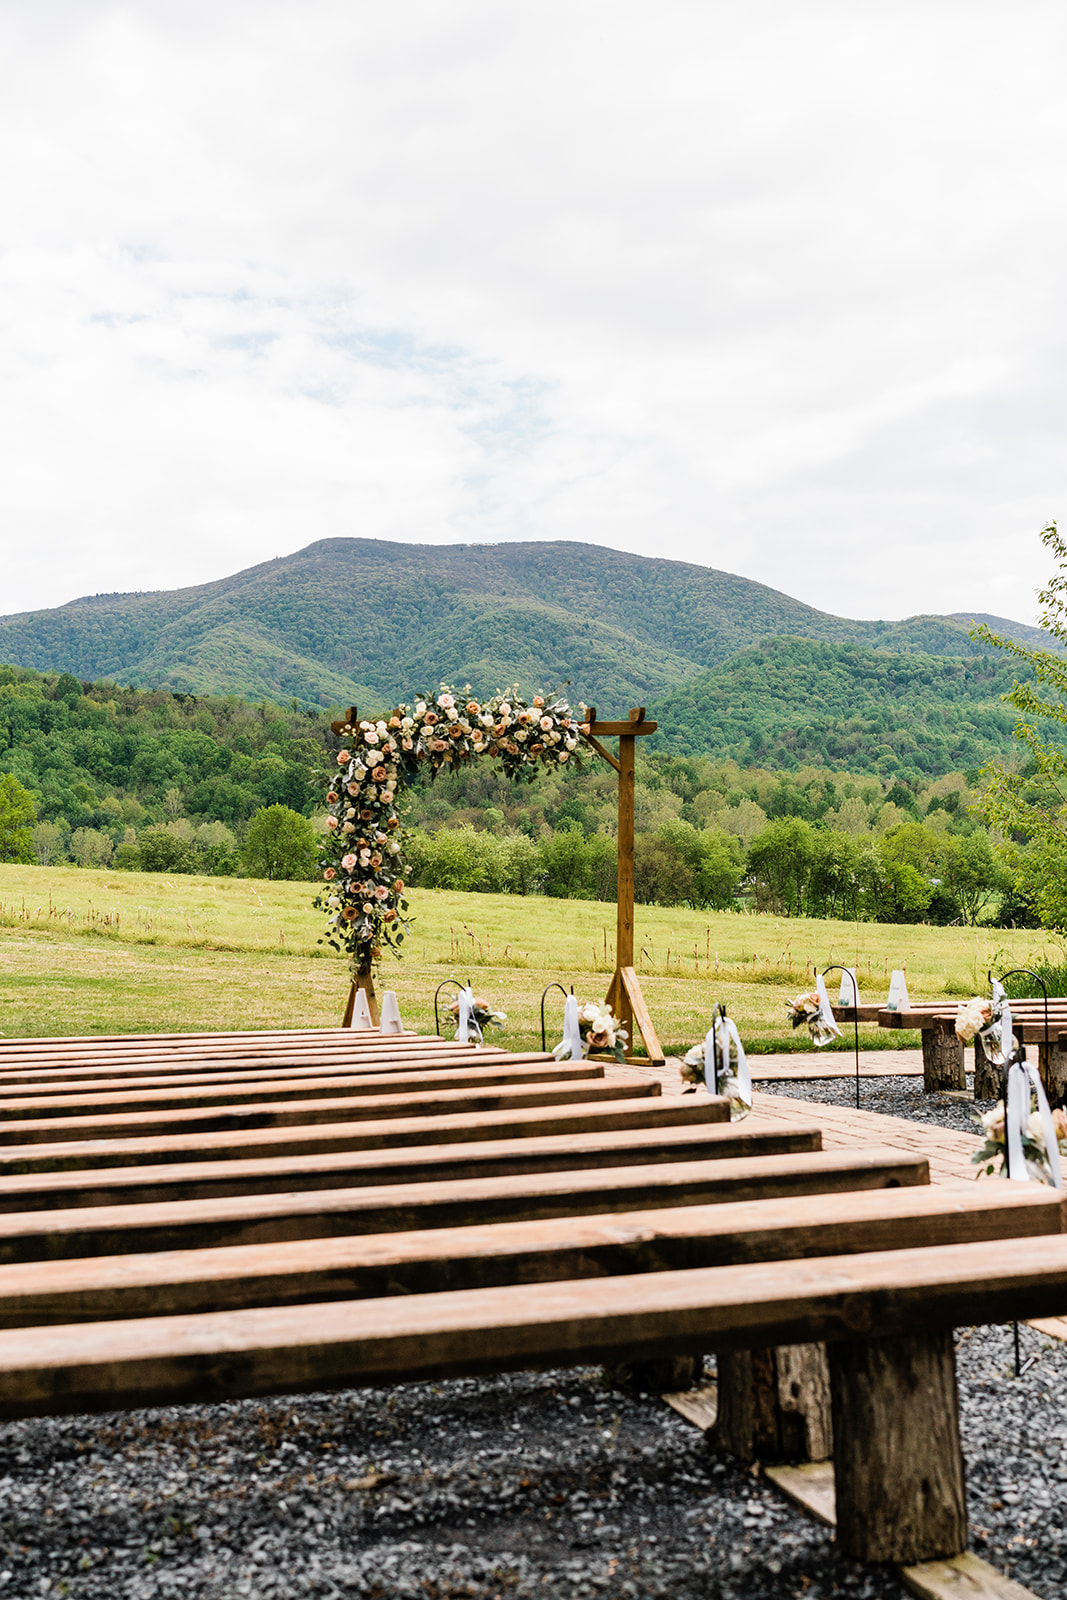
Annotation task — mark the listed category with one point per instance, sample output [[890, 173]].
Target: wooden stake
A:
[[364, 980]]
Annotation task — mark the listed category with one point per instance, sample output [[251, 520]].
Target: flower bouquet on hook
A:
[[1035, 1154], [482, 1012], [979, 1018], [719, 1063], [601, 1030], [808, 1008]]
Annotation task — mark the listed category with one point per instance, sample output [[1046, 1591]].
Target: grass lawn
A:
[[127, 952]]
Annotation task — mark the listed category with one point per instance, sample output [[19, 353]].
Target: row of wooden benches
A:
[[943, 1053], [194, 1218]]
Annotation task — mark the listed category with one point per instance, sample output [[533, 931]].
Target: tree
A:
[[160, 850], [780, 862], [18, 813], [280, 844], [1028, 801]]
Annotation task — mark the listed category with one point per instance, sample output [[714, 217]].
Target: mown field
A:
[[105, 952]]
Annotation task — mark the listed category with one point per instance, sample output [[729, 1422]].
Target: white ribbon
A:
[[1021, 1079], [727, 1032], [999, 998], [710, 1078], [570, 1047], [825, 1013], [468, 1027], [390, 1021]]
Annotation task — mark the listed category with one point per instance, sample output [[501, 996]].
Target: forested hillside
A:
[[796, 702], [369, 621], [104, 764]]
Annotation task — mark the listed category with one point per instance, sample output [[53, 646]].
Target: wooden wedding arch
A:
[[366, 907]]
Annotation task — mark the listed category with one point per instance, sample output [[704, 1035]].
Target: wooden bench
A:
[[307, 1138], [222, 1210], [943, 1052], [40, 1121], [886, 1316]]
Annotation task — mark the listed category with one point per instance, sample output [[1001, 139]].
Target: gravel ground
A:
[[893, 1097], [542, 1484]]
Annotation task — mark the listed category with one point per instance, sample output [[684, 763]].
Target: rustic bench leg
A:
[[774, 1405], [942, 1060], [1052, 1065], [988, 1079], [898, 1466]]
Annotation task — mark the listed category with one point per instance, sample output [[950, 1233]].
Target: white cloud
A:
[[770, 287]]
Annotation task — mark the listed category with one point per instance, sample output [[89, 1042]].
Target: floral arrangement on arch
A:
[[362, 858]]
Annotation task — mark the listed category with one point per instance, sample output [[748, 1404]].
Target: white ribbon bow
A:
[[570, 1047], [1021, 1079], [468, 1027]]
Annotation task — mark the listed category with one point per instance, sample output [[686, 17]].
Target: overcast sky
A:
[[772, 287]]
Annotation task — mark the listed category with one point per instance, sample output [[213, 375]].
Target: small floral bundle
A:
[[694, 1073], [483, 1014], [1033, 1142], [807, 1008], [980, 1018], [601, 1029]]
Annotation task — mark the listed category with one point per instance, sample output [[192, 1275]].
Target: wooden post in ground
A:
[[942, 1058], [774, 1405], [988, 1079], [898, 1466], [364, 980], [1052, 1065], [624, 994]]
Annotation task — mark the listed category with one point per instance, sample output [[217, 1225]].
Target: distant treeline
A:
[[165, 781]]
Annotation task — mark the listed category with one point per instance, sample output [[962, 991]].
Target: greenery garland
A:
[[362, 859]]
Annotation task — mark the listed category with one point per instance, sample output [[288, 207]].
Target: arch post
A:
[[624, 994]]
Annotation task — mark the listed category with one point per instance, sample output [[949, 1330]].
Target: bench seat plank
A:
[[283, 1350], [102, 1096], [189, 1180], [438, 1260], [401, 1206], [151, 1073], [282, 1113], [307, 1139]]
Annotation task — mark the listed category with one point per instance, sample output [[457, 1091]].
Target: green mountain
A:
[[793, 702], [369, 621]]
